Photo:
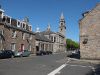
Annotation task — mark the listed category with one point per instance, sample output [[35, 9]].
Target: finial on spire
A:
[[62, 16], [48, 28], [37, 29]]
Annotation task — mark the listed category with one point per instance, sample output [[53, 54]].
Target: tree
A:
[[71, 45]]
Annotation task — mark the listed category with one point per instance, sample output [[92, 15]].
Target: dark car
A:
[[38, 53], [75, 54], [6, 54], [41, 52], [48, 52]]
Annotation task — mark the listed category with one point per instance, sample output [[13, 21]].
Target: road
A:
[[56, 64]]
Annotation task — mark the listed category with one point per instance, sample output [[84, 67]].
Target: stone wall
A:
[[18, 40], [90, 34]]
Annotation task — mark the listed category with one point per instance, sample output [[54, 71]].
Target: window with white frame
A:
[[1, 32], [0, 14], [4, 19], [54, 39], [18, 23], [13, 22], [8, 20], [23, 36], [30, 47], [21, 25], [13, 45], [24, 25], [30, 28], [13, 34]]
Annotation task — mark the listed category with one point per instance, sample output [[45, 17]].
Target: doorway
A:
[[37, 48], [22, 47]]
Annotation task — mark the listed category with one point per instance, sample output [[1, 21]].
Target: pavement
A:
[[56, 64]]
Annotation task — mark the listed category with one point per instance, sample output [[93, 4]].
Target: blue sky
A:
[[42, 12]]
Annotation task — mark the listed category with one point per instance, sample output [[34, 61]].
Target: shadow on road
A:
[[75, 56], [97, 71]]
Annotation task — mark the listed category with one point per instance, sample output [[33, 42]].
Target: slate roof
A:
[[41, 37], [47, 32], [17, 28]]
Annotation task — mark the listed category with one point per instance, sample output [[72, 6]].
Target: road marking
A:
[[56, 71], [79, 65], [93, 69]]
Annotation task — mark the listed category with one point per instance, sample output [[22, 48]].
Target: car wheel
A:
[[12, 56], [21, 55]]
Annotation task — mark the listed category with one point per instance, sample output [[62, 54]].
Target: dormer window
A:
[[27, 28], [30, 28], [0, 14], [21, 25], [4, 19], [24, 25], [14, 22], [8, 20], [18, 24]]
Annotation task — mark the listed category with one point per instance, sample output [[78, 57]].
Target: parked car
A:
[[48, 52], [75, 52], [41, 52], [38, 53], [17, 53], [6, 54], [26, 53]]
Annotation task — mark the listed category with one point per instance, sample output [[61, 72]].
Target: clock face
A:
[[61, 24]]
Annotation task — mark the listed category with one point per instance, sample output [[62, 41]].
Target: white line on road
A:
[[79, 66], [59, 68]]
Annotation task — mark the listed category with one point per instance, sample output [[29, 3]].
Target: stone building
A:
[[90, 34], [16, 34], [58, 39], [43, 43]]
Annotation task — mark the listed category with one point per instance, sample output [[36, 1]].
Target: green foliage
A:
[[71, 44]]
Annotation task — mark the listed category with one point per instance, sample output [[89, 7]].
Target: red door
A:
[[22, 47]]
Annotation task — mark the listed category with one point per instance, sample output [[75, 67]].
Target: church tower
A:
[[62, 26]]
